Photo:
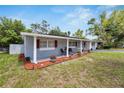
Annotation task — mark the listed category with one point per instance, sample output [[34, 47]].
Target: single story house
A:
[[39, 46]]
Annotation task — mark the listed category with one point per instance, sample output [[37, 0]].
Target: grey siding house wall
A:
[[47, 53], [28, 47], [42, 54]]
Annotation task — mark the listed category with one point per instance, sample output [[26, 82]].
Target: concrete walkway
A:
[[110, 50]]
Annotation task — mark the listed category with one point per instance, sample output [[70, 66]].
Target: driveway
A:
[[110, 50]]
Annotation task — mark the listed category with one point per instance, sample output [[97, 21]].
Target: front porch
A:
[[41, 47], [46, 62]]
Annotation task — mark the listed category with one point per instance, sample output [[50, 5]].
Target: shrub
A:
[[53, 58], [107, 46], [27, 58], [21, 57]]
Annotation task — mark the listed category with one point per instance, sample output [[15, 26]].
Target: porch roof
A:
[[51, 36]]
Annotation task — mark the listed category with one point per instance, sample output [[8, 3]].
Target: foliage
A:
[[27, 58], [107, 46], [10, 31], [68, 33], [57, 32], [117, 27], [79, 34], [52, 57], [109, 29], [42, 27]]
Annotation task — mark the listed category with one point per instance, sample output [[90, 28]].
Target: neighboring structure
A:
[[16, 48], [38, 46]]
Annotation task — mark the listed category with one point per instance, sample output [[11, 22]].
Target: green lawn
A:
[[93, 70]]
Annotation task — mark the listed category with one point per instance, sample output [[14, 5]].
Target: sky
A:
[[68, 17]]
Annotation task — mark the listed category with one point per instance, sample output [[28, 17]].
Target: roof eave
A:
[[50, 36]]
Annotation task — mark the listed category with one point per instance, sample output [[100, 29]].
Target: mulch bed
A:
[[30, 66]]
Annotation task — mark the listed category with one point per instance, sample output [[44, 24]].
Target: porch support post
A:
[[81, 46], [35, 51], [95, 45], [90, 45], [67, 53]]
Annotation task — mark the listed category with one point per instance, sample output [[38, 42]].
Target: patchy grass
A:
[[117, 48], [94, 70], [113, 49]]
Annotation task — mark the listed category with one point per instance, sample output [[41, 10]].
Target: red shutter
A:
[[38, 43], [76, 43], [56, 43], [84, 44]]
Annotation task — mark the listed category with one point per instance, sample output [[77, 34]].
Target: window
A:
[[47, 44], [72, 43], [43, 43], [51, 43]]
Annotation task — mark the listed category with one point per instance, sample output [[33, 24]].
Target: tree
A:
[[110, 30], [35, 27], [45, 27], [56, 31], [10, 31], [117, 28], [100, 28], [79, 34], [68, 33], [42, 27]]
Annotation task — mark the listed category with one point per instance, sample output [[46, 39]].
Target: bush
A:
[[53, 58], [107, 46], [27, 58]]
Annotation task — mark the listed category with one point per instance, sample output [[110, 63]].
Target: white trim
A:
[[50, 36], [35, 51], [96, 45], [43, 49], [90, 45], [81, 46], [72, 46], [47, 45], [67, 53]]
